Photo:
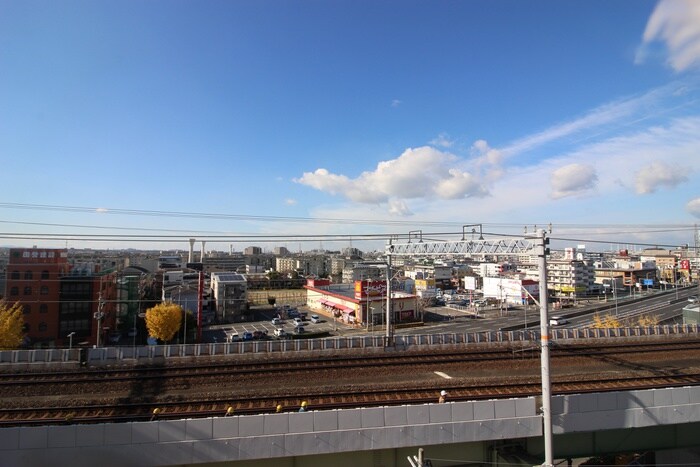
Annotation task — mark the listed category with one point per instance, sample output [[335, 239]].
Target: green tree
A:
[[163, 321], [11, 326]]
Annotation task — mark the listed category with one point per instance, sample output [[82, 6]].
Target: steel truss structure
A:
[[504, 246]]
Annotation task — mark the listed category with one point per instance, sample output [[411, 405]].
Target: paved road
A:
[[445, 319]]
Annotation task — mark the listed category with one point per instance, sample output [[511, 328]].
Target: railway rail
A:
[[235, 367], [211, 407], [217, 388]]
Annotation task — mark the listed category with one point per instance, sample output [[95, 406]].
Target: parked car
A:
[[279, 332], [233, 337], [259, 335], [247, 336], [693, 299], [276, 321], [299, 330], [315, 319], [298, 322]]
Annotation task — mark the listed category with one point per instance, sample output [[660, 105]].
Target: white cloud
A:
[[420, 176], [677, 24], [442, 140], [290, 202], [604, 118], [396, 103], [693, 207], [657, 174], [572, 180], [486, 154], [459, 184], [399, 208], [423, 172], [101, 210]]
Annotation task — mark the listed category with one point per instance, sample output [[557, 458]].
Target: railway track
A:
[[237, 368], [326, 400], [338, 381]]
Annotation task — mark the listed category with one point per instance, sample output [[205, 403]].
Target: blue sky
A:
[[356, 117]]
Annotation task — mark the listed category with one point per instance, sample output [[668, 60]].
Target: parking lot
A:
[[261, 325]]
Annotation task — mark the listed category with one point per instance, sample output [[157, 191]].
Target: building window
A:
[[27, 290], [14, 291], [14, 275], [43, 308], [42, 327], [44, 290], [44, 274], [26, 309], [28, 275]]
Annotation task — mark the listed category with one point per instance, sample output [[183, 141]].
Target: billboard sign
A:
[[364, 289]]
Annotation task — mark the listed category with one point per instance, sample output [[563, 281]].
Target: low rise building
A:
[[229, 291], [362, 303]]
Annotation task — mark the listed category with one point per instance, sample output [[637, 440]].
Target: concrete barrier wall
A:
[[107, 354], [620, 410], [292, 434]]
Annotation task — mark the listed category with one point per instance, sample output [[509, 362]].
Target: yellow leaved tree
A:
[[610, 321], [11, 326], [607, 321], [163, 320]]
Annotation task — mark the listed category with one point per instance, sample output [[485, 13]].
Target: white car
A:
[[279, 332], [298, 322], [315, 319], [276, 321], [233, 337], [557, 321]]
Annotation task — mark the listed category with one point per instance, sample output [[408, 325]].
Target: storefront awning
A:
[[342, 308]]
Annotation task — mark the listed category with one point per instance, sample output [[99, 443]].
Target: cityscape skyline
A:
[[132, 125]]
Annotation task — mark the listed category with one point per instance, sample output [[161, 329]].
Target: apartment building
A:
[[230, 293], [58, 300], [569, 278]]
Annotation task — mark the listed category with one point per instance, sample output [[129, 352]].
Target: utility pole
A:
[[542, 251], [99, 315], [512, 246], [200, 298], [389, 330]]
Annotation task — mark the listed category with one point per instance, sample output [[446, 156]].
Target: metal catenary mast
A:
[[536, 244]]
